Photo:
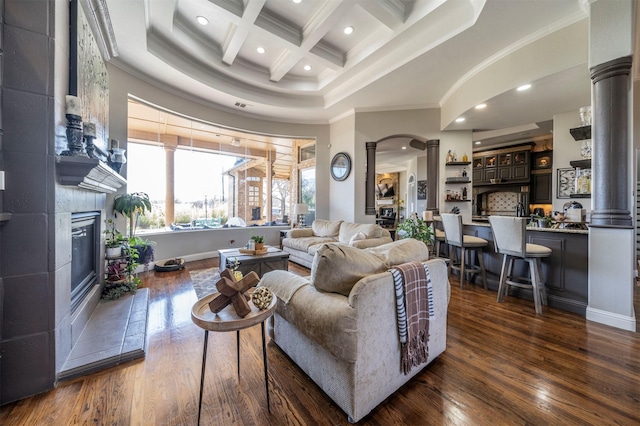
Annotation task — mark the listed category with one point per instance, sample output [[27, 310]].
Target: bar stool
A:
[[510, 239], [457, 240], [439, 237]]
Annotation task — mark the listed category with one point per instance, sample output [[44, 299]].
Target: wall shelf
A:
[[457, 181], [457, 201], [583, 164], [458, 163], [88, 173], [581, 133]]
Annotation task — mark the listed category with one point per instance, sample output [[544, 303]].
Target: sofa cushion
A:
[[357, 237], [401, 251], [325, 228], [303, 244], [337, 267], [300, 233], [348, 230]]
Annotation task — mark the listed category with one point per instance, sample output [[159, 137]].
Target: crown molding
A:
[[97, 14]]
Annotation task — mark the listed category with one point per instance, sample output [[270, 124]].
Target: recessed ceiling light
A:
[[202, 20], [307, 67], [478, 142], [404, 147], [349, 30], [481, 106], [261, 49], [524, 87], [297, 1], [460, 119]]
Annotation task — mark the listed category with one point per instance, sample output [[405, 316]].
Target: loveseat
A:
[[302, 243], [339, 325]]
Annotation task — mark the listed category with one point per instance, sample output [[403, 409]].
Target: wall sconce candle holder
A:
[[74, 137]]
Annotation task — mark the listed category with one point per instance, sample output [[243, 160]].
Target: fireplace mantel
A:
[[88, 173]]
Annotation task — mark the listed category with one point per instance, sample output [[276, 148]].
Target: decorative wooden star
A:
[[232, 291]]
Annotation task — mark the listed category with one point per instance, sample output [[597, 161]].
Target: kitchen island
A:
[[566, 271]]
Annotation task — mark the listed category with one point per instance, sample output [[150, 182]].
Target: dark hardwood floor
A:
[[503, 365]]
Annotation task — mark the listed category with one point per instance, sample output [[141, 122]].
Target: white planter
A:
[[114, 251]]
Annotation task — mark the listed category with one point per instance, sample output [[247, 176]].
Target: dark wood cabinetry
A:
[[508, 165], [565, 271], [541, 188], [541, 177]]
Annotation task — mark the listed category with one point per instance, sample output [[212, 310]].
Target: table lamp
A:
[[300, 210]]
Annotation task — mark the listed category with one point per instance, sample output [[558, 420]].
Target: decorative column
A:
[[169, 197], [370, 190], [433, 162], [611, 144]]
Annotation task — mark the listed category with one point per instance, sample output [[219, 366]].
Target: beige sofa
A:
[[302, 243], [339, 325]]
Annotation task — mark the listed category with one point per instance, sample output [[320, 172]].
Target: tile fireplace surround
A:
[[97, 334]]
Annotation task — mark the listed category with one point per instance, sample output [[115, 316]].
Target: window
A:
[[307, 152], [308, 192], [217, 175]]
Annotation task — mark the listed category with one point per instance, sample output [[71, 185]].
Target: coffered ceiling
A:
[[401, 54]]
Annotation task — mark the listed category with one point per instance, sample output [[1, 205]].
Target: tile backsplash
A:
[[502, 203]]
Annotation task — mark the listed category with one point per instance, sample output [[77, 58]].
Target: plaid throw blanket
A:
[[414, 308]]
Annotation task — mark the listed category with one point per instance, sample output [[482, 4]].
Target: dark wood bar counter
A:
[[566, 271]]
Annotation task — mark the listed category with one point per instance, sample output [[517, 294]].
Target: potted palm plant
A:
[[132, 206]]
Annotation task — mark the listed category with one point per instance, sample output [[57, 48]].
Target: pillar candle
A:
[[89, 129], [73, 105], [427, 216]]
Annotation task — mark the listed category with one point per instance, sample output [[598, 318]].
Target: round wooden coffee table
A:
[[228, 320]]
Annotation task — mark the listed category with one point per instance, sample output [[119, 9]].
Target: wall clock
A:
[[340, 166]]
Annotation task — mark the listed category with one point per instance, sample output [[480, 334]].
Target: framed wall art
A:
[[565, 183], [386, 186], [422, 190]]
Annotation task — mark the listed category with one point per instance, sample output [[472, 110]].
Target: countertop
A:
[[535, 228]]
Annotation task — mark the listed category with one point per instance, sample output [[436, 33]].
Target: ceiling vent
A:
[[241, 105]]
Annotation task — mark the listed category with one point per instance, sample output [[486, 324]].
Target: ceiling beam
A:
[[318, 26], [238, 35], [390, 12]]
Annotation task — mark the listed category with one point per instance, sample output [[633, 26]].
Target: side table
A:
[[228, 320]]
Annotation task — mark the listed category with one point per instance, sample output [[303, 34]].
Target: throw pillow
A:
[[357, 237], [325, 228], [337, 268], [348, 230], [401, 251]]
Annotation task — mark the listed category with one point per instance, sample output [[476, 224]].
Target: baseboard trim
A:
[[612, 319], [187, 258]]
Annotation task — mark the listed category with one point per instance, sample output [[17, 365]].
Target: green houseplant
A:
[[259, 240], [414, 227], [113, 239], [132, 206]]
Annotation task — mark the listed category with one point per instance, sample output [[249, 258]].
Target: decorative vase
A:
[[117, 159]]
